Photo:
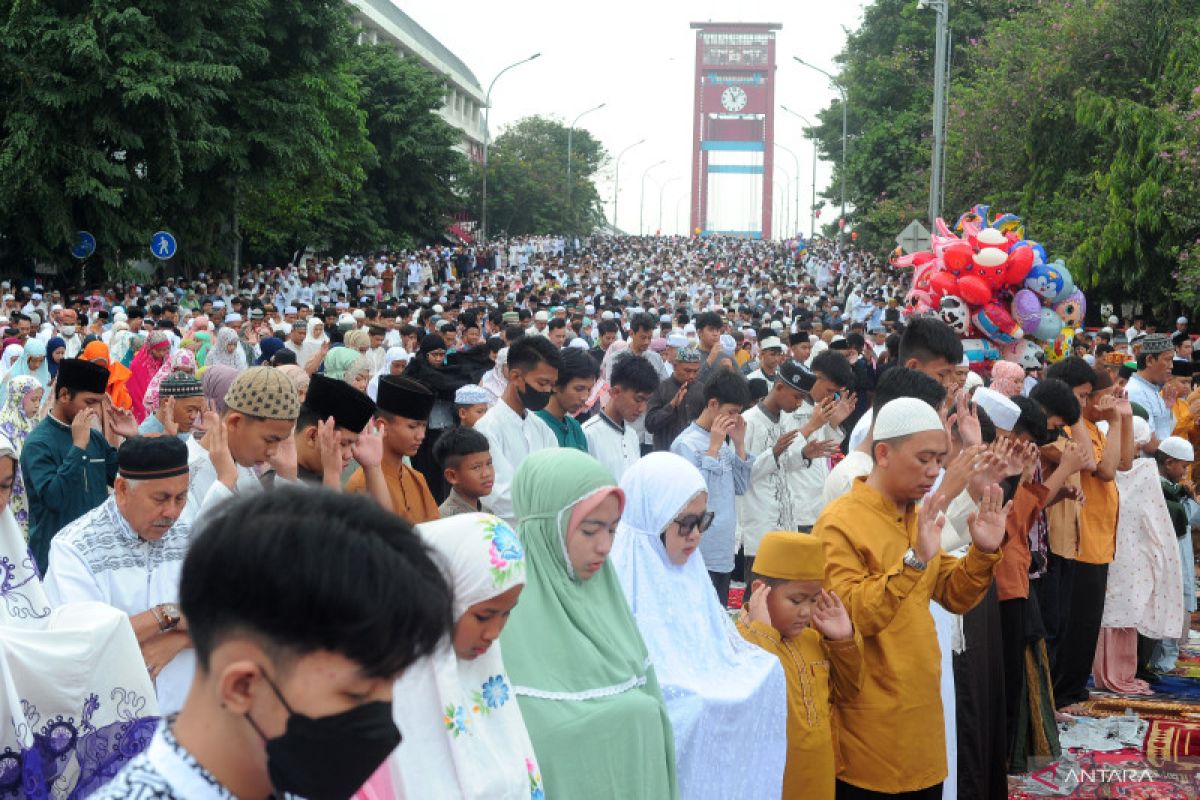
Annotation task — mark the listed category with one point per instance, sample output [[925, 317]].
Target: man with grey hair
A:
[[128, 552]]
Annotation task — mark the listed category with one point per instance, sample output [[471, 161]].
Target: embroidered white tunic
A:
[[99, 557]]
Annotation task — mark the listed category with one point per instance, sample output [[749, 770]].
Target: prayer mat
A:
[[1172, 740], [1090, 775], [1177, 687], [1142, 706]]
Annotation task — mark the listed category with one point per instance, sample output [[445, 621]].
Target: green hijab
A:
[[338, 360], [574, 653]]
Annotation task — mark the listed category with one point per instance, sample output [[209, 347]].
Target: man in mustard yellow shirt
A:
[[884, 559]]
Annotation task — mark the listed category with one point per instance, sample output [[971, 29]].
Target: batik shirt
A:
[[165, 771]]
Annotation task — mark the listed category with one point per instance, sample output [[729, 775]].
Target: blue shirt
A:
[[151, 425], [726, 476], [1146, 394]]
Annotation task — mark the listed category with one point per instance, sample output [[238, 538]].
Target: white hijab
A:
[[464, 736], [311, 344], [393, 355], [495, 380], [712, 680]]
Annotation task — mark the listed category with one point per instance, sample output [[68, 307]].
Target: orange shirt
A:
[[1098, 513], [1012, 573], [1062, 519], [410, 494]]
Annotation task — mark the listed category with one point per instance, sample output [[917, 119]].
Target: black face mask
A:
[[532, 399], [356, 741]]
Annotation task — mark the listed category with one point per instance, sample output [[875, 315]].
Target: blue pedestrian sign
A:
[[162, 245], [85, 245]]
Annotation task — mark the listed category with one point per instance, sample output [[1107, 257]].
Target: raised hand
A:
[[756, 610], [368, 450], [823, 412], [819, 448], [1106, 406], [331, 449], [120, 421], [737, 430], [930, 521], [720, 429], [283, 460], [967, 419], [830, 617], [166, 415], [81, 428], [842, 409], [216, 442], [987, 524], [784, 442], [960, 470]]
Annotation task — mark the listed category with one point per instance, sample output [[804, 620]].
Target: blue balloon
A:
[[1046, 281], [1068, 282], [1049, 325]]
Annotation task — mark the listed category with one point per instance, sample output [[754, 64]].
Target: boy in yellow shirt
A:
[[809, 631]]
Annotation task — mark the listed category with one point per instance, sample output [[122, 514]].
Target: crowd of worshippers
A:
[[201, 603]]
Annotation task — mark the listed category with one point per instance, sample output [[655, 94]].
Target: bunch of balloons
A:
[[986, 276]]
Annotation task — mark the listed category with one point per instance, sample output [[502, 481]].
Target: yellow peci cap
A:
[[790, 556]]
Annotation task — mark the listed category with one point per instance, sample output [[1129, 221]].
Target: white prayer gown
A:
[[712, 680], [78, 701]]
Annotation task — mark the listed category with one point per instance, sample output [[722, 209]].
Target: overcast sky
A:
[[638, 58]]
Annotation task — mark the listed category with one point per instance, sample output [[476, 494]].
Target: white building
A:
[[383, 22]]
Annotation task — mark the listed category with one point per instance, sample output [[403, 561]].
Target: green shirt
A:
[[568, 431], [62, 482]]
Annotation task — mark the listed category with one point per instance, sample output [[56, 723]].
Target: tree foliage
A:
[[527, 180], [1079, 116], [209, 120]]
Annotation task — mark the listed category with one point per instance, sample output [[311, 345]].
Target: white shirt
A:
[[772, 499], [615, 446], [205, 492], [99, 557], [512, 439]]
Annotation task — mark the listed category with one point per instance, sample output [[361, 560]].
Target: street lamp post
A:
[[679, 230], [812, 209], [617, 180], [487, 138], [845, 107], [642, 206], [785, 193], [570, 135], [796, 194], [936, 167], [661, 190]]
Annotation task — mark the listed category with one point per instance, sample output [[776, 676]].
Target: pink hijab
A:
[[144, 367], [183, 361]]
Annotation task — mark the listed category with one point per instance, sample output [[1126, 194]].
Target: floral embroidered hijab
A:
[[463, 732]]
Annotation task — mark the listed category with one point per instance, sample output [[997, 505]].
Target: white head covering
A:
[[712, 680], [495, 380], [311, 344], [1177, 447], [905, 416], [1002, 411], [464, 736], [393, 355]]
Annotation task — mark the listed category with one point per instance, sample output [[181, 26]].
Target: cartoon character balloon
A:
[[1071, 310], [1049, 325], [955, 313], [997, 324], [1046, 281]]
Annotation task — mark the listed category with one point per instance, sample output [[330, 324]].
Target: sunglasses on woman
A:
[[697, 522]]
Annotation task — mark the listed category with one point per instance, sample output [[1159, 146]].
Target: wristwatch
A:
[[168, 616], [911, 560]]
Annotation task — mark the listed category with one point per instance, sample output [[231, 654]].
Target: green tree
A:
[[184, 115], [415, 173], [527, 178]]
